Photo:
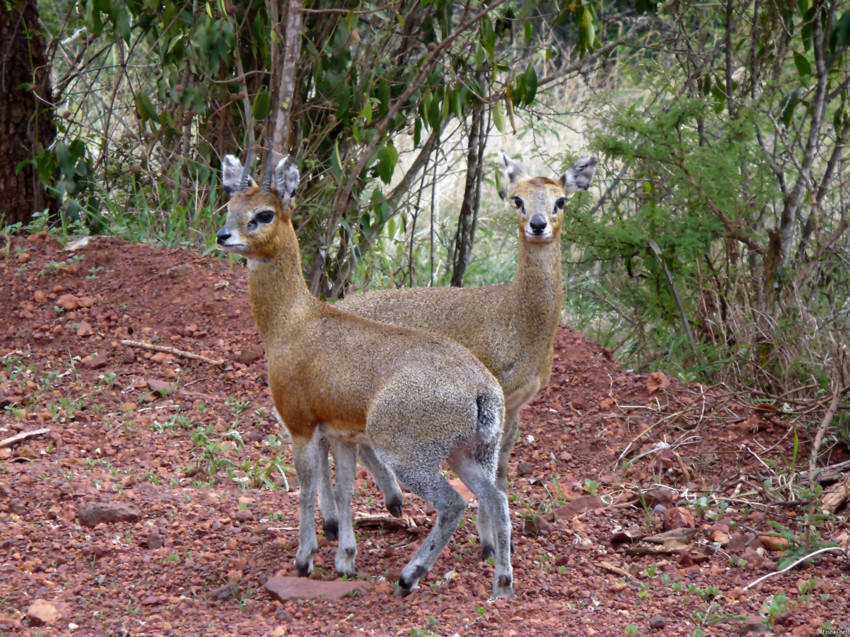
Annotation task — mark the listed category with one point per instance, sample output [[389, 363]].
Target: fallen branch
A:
[[22, 436], [173, 350]]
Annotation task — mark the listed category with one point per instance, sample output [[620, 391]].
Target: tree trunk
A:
[[468, 219], [26, 111]]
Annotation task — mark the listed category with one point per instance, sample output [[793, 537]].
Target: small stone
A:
[[161, 387], [17, 507], [244, 515], [773, 542], [659, 495], [534, 525], [128, 355], [577, 506], [250, 355], [39, 296], [68, 302], [227, 591], [657, 622], [84, 329], [720, 537], [95, 361], [150, 600], [42, 612], [523, 468], [678, 518], [153, 540], [86, 301]]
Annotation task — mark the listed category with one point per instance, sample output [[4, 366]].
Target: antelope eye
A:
[[264, 216], [517, 203], [559, 203]]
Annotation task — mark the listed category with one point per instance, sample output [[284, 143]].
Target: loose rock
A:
[[42, 612], [94, 513], [284, 588]]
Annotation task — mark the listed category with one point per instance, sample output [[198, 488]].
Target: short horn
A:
[[267, 178], [246, 170]]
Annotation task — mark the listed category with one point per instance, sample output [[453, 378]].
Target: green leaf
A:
[[92, 19], [804, 67], [120, 18], [499, 116], [262, 105], [384, 96], [145, 108], [788, 105], [434, 112], [528, 29], [839, 118], [366, 112], [336, 162], [417, 132], [840, 35], [458, 96], [387, 160], [530, 84], [517, 91], [488, 37]]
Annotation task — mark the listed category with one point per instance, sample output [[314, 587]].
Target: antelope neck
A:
[[279, 295]]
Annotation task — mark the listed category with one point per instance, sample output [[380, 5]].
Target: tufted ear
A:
[[234, 176], [513, 171], [231, 174], [286, 179], [579, 176]]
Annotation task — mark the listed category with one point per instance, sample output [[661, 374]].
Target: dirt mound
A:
[[144, 367]]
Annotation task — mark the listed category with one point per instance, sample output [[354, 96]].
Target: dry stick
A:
[[827, 418], [172, 350], [21, 436], [790, 566]]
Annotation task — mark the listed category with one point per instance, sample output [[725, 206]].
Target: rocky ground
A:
[[146, 492]]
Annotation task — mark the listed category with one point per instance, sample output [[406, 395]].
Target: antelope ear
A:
[[579, 176], [231, 174], [513, 170], [286, 179]]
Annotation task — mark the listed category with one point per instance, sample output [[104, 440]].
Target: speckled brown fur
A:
[[417, 398]]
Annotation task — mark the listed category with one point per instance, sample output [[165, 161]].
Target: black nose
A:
[[538, 224], [222, 235]]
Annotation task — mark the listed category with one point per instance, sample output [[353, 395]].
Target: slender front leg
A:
[[384, 479], [345, 463], [305, 452]]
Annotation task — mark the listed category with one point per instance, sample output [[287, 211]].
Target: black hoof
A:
[[487, 552], [394, 507], [331, 530], [303, 569]]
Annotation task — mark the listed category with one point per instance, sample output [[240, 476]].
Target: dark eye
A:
[[264, 216], [559, 203], [518, 203]]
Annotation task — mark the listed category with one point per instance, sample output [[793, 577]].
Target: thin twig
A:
[[173, 350], [790, 566], [21, 436]]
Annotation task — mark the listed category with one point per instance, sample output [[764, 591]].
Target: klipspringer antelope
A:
[[510, 327], [417, 399]]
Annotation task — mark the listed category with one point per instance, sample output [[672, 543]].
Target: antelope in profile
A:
[[511, 327], [415, 398]]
